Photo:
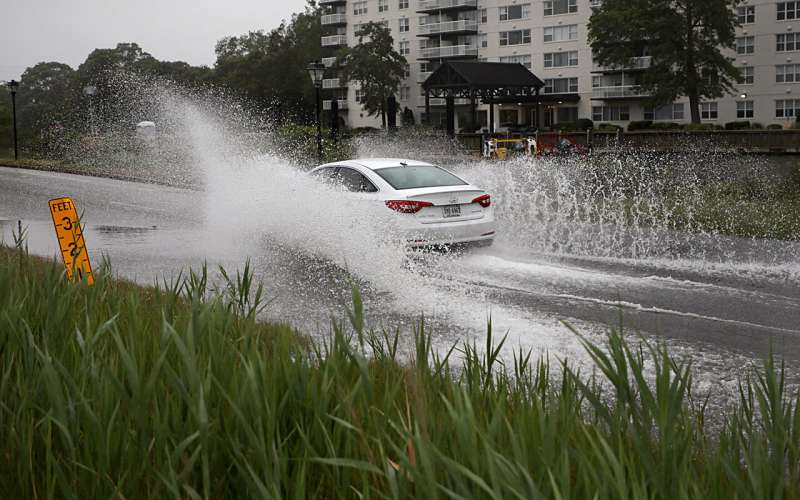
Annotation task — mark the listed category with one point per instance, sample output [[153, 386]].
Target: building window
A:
[[516, 37], [708, 111], [561, 59], [514, 12], [744, 109], [787, 42], [787, 73], [567, 114], [383, 5], [484, 40], [360, 96], [508, 116], [745, 45], [403, 25], [748, 75], [669, 112], [788, 10], [524, 60], [787, 108], [405, 92], [359, 8], [405, 48], [611, 113], [402, 4], [561, 86], [484, 16], [556, 7], [561, 33], [746, 14]]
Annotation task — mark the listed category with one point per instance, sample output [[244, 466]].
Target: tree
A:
[[375, 66], [270, 68], [685, 38]]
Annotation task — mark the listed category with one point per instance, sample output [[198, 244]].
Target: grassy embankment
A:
[[130, 392]]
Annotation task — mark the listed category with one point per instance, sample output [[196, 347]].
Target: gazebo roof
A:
[[484, 79]]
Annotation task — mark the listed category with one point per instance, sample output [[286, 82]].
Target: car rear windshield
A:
[[419, 176]]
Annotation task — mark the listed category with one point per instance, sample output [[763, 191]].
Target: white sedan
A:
[[433, 206]]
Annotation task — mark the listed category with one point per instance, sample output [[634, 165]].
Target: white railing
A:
[[339, 18], [643, 62], [333, 40], [617, 92], [448, 27], [449, 51], [333, 83], [445, 4], [326, 104], [441, 101], [328, 61]]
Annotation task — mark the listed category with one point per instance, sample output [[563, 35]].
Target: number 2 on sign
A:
[[70, 239]]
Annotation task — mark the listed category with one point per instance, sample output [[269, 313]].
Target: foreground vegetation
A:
[[128, 392]]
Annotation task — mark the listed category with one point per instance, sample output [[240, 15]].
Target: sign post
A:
[[70, 239]]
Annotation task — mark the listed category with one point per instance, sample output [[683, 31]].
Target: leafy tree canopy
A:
[[269, 68], [374, 65], [686, 39]]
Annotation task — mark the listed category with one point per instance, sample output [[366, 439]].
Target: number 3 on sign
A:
[[70, 239]]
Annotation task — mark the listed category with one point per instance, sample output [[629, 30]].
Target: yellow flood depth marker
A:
[[70, 239]]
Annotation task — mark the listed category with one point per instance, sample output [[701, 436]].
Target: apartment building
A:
[[549, 37]]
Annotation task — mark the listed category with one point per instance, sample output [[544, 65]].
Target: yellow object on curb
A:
[[70, 239]]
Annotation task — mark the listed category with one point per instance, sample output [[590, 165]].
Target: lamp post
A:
[[12, 86], [90, 91], [316, 71]]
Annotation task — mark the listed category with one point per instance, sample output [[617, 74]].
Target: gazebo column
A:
[[538, 115], [474, 110], [491, 115], [451, 115], [427, 107]]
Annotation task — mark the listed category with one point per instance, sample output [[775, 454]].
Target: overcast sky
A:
[[66, 31]]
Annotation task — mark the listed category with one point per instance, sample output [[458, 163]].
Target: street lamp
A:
[[316, 70], [90, 91], [12, 86], [743, 95]]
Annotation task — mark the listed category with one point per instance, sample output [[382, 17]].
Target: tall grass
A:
[[117, 391]]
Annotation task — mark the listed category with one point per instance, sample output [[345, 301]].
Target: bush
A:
[[774, 126], [640, 125], [756, 125], [584, 124], [608, 127], [407, 118], [738, 125], [666, 126], [700, 127]]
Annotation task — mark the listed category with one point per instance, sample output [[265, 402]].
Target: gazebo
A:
[[491, 82]]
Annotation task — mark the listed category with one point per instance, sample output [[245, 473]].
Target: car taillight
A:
[[483, 200], [407, 206]]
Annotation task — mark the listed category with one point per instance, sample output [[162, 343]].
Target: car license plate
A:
[[451, 211]]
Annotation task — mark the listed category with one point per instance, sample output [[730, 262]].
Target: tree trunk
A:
[[692, 76]]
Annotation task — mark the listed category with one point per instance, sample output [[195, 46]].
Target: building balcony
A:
[[461, 26], [437, 5], [449, 51], [334, 40], [331, 2], [333, 83], [334, 19], [326, 104], [329, 62], [636, 64], [619, 92]]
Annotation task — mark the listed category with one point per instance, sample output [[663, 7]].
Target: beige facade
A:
[[550, 38]]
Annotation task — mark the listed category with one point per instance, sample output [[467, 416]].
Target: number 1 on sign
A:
[[70, 239]]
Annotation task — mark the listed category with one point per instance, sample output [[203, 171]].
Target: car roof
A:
[[378, 163]]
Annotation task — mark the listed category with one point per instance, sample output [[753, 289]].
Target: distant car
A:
[[433, 206]]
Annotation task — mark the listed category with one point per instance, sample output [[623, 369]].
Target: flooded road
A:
[[726, 313]]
